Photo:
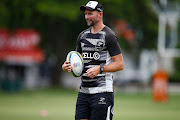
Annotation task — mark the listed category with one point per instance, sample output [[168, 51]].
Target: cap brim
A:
[[83, 8]]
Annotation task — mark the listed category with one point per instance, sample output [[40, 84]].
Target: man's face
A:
[[92, 17]]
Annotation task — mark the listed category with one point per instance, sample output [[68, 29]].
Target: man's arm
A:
[[116, 65]]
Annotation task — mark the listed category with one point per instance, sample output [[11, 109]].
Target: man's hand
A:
[[93, 72], [66, 66]]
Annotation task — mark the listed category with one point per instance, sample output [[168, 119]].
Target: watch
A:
[[101, 68]]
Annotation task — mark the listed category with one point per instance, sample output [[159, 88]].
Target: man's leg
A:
[[82, 107], [102, 106]]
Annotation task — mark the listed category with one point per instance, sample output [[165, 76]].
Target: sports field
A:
[[59, 104]]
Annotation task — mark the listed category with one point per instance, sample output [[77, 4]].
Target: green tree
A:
[[60, 22]]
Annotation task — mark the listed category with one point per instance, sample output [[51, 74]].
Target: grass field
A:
[[60, 105]]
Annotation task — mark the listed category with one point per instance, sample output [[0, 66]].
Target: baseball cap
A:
[[92, 5]]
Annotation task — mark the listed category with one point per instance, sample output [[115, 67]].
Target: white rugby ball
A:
[[76, 62]]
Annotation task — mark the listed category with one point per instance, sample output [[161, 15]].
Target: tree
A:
[[60, 22]]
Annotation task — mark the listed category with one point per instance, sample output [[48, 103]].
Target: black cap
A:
[[92, 5]]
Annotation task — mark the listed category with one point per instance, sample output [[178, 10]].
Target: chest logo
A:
[[99, 45]]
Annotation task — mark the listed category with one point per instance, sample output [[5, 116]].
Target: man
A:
[[102, 56]]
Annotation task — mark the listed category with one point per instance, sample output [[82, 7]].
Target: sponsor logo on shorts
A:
[[102, 100]]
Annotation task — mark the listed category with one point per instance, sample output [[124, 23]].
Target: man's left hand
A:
[[93, 72]]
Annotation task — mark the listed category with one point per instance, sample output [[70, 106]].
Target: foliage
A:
[[65, 14], [141, 19], [60, 22], [175, 76]]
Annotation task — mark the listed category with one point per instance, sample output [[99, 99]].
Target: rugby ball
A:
[[76, 62]]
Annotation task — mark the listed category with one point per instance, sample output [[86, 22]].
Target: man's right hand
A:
[[66, 66]]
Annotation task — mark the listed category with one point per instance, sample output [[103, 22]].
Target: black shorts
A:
[[95, 106]]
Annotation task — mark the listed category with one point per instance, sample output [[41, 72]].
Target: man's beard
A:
[[92, 23]]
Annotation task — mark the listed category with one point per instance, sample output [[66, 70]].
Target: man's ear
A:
[[101, 14]]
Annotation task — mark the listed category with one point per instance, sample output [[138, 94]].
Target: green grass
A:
[[60, 104]]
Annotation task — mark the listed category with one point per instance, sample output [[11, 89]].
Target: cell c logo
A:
[[96, 55]]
